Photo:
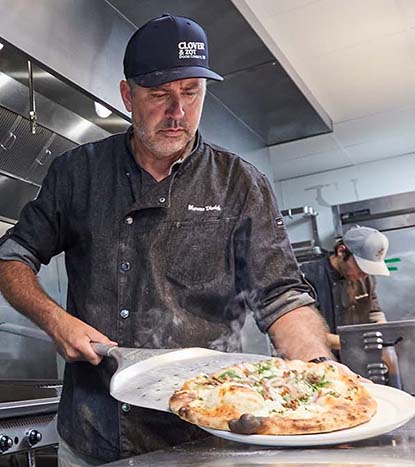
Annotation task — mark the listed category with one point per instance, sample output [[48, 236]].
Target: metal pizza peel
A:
[[148, 377]]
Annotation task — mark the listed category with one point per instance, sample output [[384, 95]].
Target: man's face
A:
[[349, 269], [165, 118]]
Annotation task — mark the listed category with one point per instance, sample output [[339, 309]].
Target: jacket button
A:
[[124, 313], [125, 266], [125, 407], [162, 199], [129, 220]]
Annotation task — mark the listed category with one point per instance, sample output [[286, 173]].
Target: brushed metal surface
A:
[[17, 428], [269, 102], [360, 359], [383, 213], [395, 449], [72, 126], [88, 38]]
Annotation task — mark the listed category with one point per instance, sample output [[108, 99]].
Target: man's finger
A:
[[96, 336], [91, 356]]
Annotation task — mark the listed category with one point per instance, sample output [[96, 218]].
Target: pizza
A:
[[275, 397]]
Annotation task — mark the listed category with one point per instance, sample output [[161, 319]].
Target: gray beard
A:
[[159, 148]]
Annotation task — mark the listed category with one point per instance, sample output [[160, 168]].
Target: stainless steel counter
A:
[[396, 448]]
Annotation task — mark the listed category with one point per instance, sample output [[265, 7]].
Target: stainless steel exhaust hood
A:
[[64, 117]]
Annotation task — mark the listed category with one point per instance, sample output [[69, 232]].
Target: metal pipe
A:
[[32, 102]]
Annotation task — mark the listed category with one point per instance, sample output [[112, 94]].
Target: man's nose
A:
[[175, 109]]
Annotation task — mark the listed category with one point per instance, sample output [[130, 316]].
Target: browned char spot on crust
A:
[[247, 424]]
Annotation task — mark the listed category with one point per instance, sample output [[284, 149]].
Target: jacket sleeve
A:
[[266, 268], [40, 233]]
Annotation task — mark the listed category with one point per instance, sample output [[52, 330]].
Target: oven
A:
[[28, 410]]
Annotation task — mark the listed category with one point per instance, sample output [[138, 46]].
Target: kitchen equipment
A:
[[28, 407], [28, 416], [301, 223], [367, 349], [148, 377]]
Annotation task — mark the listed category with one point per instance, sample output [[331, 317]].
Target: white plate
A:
[[395, 408]]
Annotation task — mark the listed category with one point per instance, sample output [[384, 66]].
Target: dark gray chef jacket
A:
[[169, 264], [341, 301]]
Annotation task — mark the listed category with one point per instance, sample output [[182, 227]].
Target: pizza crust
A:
[[275, 397]]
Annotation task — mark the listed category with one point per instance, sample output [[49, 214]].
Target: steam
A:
[[235, 314]]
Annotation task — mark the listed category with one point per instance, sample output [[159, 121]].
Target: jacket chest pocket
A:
[[197, 251]]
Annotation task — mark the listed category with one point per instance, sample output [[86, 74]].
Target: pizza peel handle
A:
[[104, 350]]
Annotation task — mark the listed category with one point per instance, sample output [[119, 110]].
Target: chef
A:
[[344, 281], [169, 241]]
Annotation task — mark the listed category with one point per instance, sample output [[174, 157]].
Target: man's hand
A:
[[333, 341], [73, 339]]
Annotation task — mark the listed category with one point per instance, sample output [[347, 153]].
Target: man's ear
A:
[[126, 95], [341, 251]]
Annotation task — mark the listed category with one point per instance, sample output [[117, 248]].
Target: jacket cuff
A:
[[285, 303], [11, 250]]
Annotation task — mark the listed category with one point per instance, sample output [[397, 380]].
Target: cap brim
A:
[[373, 268], [157, 78]]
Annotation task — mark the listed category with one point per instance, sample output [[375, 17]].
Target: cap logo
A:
[[379, 255], [191, 49]]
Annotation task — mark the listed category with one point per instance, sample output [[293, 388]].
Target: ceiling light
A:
[[102, 111]]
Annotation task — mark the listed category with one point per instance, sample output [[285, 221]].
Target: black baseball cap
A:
[[166, 49]]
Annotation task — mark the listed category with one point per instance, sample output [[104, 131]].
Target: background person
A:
[[344, 280]]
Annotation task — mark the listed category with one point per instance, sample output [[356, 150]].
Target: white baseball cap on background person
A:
[[369, 248]]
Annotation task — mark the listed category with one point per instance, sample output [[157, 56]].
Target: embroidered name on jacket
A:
[[216, 207]]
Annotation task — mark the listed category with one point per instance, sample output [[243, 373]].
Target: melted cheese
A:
[[239, 396], [267, 389]]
